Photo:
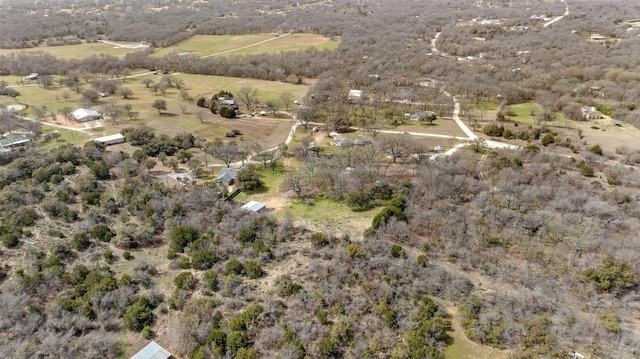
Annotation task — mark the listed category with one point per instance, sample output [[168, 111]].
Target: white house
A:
[[84, 115], [254, 206]]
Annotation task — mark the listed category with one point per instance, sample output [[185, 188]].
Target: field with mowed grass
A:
[[180, 115], [78, 51], [209, 45]]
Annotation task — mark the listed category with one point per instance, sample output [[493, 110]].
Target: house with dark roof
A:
[[422, 116], [227, 176]]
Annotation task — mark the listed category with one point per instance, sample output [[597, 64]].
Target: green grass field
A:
[[203, 45]]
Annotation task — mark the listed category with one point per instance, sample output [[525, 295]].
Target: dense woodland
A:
[[538, 251]]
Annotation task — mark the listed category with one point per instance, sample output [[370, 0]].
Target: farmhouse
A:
[[227, 176], [84, 115], [254, 206], [152, 351], [591, 113], [350, 141], [111, 139], [598, 37], [422, 115]]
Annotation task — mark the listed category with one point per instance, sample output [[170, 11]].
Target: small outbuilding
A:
[[254, 206], [32, 76], [111, 139], [85, 115], [355, 95], [153, 351]]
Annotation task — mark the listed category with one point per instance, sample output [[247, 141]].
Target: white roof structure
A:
[[355, 94], [152, 351], [84, 113], [254, 206], [110, 139]]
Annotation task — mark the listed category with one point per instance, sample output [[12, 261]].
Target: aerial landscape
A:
[[320, 179]]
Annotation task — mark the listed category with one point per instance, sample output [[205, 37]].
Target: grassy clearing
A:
[[78, 51], [202, 45], [462, 347], [66, 136], [330, 215], [173, 120]]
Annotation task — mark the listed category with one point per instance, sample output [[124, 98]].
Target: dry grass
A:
[[76, 51], [202, 45]]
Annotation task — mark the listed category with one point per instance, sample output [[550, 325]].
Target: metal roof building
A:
[[254, 206], [152, 351], [84, 114], [111, 139]]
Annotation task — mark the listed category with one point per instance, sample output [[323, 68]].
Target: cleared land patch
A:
[[78, 51], [203, 45]]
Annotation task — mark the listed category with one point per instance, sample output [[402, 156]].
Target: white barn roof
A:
[[81, 113], [152, 351], [110, 139], [254, 206]]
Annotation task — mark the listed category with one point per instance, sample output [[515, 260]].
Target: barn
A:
[[111, 139]]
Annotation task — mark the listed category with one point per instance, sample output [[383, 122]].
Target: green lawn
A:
[[331, 215], [203, 45], [66, 136]]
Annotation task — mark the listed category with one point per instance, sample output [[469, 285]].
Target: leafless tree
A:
[[248, 96], [287, 99], [125, 92], [226, 152], [147, 81]]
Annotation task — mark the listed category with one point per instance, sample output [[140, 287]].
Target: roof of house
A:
[[84, 113], [152, 351], [32, 76], [416, 116], [254, 206], [228, 174]]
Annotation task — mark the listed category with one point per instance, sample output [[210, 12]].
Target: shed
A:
[[355, 95], [14, 140], [84, 115], [152, 351], [32, 76], [111, 139], [254, 206]]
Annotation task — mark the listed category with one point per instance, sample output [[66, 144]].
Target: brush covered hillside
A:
[[99, 255]]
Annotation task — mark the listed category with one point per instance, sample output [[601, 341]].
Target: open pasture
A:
[[209, 45]]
